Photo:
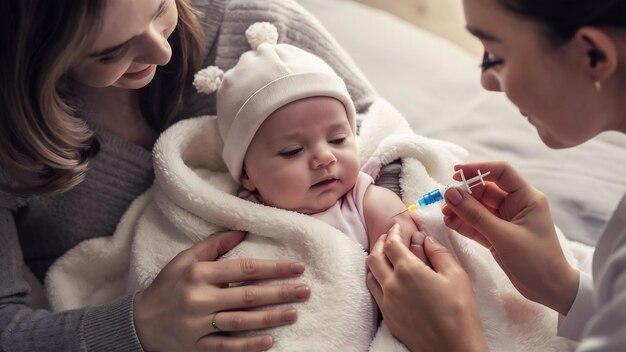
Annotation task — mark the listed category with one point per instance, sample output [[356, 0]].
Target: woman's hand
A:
[[427, 309], [191, 297], [512, 219]]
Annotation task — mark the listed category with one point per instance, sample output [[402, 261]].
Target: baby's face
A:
[[303, 157]]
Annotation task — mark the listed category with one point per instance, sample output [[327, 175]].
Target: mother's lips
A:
[[140, 74]]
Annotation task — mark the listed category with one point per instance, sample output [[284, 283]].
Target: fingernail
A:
[[453, 196], [267, 341], [297, 268], [290, 315], [433, 241], [417, 237], [303, 292], [395, 230]]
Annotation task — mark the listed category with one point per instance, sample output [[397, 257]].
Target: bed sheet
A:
[[436, 86]]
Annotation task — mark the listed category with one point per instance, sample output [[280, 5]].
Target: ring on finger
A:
[[214, 324]]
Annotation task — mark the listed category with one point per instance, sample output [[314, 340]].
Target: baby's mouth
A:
[[324, 182]]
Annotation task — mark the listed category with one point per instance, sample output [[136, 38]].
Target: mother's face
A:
[[130, 43], [548, 84]]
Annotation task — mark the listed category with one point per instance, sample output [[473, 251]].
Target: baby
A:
[[287, 124], [289, 132]]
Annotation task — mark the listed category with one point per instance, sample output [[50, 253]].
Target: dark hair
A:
[[44, 144], [562, 18]]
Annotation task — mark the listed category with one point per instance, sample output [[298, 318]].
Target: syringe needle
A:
[[409, 208], [402, 212]]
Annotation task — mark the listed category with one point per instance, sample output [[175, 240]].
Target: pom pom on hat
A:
[[208, 80], [261, 32]]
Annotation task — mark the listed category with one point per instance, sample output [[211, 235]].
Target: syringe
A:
[[436, 195]]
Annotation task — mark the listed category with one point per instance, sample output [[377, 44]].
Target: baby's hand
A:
[[417, 246]]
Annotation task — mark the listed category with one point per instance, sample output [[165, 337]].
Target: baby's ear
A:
[[246, 182]]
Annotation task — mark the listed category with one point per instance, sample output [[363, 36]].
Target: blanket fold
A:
[[193, 196]]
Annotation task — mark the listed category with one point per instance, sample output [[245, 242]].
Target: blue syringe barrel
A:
[[431, 197]]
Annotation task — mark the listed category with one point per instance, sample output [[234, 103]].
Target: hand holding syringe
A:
[[437, 194]]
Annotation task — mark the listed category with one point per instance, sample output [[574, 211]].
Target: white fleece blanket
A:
[[193, 196]]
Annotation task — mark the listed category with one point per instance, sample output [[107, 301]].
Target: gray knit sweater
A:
[[36, 231]]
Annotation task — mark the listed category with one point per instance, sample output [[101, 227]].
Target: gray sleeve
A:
[[106, 328]]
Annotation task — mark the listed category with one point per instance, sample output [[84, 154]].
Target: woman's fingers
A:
[[454, 222], [395, 249], [440, 257], [377, 261], [375, 288], [244, 270], [215, 342], [502, 174], [215, 245], [250, 296], [474, 220], [229, 321]]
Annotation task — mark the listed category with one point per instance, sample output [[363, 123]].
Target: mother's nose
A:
[[490, 81], [154, 48]]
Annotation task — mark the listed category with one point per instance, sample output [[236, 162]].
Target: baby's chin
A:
[[310, 210]]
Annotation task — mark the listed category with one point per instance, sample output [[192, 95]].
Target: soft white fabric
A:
[[193, 196]]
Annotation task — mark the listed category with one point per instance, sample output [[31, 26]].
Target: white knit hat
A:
[[266, 78]]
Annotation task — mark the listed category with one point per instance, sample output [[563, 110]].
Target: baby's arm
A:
[[379, 206]]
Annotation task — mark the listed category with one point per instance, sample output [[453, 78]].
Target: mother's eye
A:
[[114, 55]]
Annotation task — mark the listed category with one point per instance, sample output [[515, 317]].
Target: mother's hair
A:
[[563, 18], [44, 143]]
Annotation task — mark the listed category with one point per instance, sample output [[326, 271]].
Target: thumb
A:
[[441, 259], [474, 215], [217, 244]]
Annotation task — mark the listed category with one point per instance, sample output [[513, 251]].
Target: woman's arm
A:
[[175, 313], [24, 329]]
